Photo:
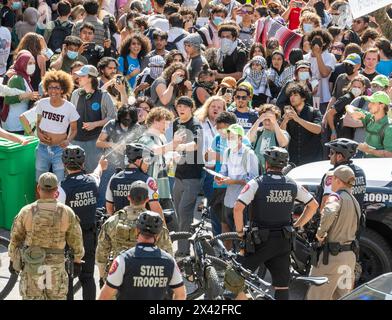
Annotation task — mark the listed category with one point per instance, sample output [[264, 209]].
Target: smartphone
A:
[[287, 109], [299, 4], [119, 80]]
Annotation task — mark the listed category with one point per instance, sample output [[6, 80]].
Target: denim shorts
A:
[[48, 157]]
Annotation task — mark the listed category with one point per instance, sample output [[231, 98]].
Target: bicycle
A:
[[256, 287], [7, 279], [196, 268]]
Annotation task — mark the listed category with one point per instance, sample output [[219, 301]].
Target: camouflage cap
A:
[[346, 174], [48, 181]]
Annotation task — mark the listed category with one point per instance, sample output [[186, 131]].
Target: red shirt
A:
[[294, 18]]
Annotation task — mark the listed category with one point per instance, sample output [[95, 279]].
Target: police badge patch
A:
[[245, 188], [114, 267], [153, 185], [328, 180]]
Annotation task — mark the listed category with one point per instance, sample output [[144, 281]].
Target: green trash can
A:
[[17, 178]]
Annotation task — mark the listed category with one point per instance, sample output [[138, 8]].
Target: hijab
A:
[[20, 66]]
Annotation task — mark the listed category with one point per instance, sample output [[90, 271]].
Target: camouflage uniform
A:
[[41, 230], [118, 233]]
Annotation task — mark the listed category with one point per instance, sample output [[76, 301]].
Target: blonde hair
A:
[[202, 113]]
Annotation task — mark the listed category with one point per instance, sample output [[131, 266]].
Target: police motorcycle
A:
[[200, 275], [7, 279]]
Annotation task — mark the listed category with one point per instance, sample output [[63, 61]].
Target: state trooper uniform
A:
[[144, 272], [119, 185], [119, 232], [339, 225], [347, 148], [80, 192], [37, 246], [270, 198]]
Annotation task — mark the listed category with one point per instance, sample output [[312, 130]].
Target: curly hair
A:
[[158, 114], [270, 107], [61, 77], [202, 113], [144, 41], [30, 42], [369, 34], [312, 18], [325, 35], [295, 87], [170, 57]]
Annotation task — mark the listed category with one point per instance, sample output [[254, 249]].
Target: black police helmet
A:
[[136, 151], [149, 223], [276, 157], [347, 147], [73, 155]]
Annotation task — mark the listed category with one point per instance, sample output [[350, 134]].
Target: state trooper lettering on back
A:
[[280, 196], [151, 276]]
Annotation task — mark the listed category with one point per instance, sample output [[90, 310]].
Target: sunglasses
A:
[[241, 97], [246, 12]]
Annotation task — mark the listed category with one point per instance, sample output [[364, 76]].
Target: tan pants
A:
[[50, 284], [340, 273]]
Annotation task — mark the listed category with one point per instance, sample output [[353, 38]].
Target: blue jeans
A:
[[92, 154], [47, 157], [106, 175]]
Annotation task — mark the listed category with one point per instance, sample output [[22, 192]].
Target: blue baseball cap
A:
[[353, 59], [87, 70]]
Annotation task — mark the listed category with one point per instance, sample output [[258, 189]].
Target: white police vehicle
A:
[[376, 240]]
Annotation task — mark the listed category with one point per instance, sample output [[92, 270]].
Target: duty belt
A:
[[335, 248]]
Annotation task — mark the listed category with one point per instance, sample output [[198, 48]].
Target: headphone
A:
[[82, 92]]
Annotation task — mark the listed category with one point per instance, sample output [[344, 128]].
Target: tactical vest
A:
[[125, 232], [81, 195], [121, 184], [48, 228], [147, 273], [359, 188], [89, 110], [273, 201]]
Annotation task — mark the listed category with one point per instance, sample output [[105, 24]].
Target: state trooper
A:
[[341, 152], [337, 233], [80, 192], [144, 272], [139, 160], [37, 247], [119, 232], [270, 198]]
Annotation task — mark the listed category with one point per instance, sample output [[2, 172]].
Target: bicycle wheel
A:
[[183, 235], [7, 279], [225, 237], [213, 286]]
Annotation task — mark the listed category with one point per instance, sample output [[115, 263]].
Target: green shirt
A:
[[373, 129], [67, 62], [157, 170]]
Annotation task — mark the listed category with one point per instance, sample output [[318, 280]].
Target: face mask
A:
[[356, 92], [126, 122], [349, 69], [30, 69], [308, 27], [179, 80], [207, 84], [155, 72], [226, 45], [48, 53], [217, 21], [303, 76], [338, 57], [232, 143], [16, 5], [72, 54], [256, 74]]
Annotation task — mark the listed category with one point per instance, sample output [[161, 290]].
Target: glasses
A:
[[54, 88], [241, 97]]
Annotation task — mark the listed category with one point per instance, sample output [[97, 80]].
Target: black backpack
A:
[[173, 45], [59, 33]]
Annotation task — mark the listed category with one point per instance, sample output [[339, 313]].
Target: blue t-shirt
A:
[[246, 119], [132, 65], [219, 145], [384, 67]]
